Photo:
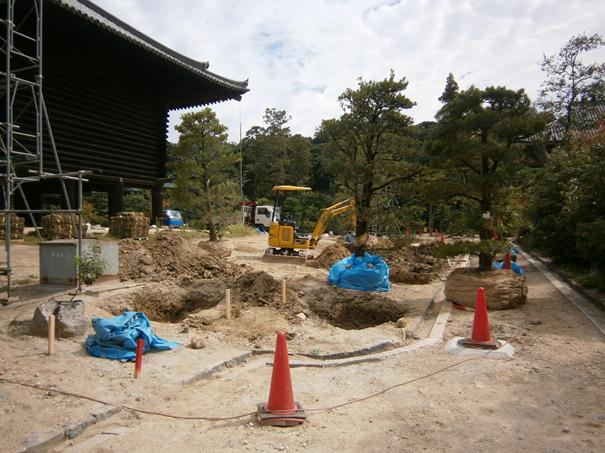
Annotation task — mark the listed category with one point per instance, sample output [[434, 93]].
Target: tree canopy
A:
[[370, 143], [478, 140], [203, 162]]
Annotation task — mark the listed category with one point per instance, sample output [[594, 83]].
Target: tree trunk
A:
[[361, 231], [485, 260], [209, 212]]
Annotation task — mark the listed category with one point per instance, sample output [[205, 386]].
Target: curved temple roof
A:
[[102, 18]]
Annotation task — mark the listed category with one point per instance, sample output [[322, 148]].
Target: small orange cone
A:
[[480, 337], [442, 239], [281, 409]]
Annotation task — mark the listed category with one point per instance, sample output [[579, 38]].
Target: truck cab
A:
[[260, 216]]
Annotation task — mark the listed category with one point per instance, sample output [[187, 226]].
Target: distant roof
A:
[[102, 18], [587, 121]]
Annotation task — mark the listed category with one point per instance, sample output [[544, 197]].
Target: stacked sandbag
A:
[[17, 225], [129, 225], [61, 225]]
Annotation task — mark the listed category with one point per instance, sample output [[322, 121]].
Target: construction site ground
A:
[[548, 398]]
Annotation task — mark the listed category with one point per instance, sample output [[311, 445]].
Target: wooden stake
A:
[[228, 304], [284, 289], [51, 334]]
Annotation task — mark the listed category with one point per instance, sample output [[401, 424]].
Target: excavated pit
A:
[[354, 310], [169, 302]]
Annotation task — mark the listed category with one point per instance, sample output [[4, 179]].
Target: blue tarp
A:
[[116, 338], [363, 273], [515, 267]]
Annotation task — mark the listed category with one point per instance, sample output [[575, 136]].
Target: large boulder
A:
[[503, 288], [70, 318]]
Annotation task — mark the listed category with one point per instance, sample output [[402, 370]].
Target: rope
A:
[[235, 417]]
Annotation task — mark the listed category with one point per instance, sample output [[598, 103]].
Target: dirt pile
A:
[[330, 255], [256, 289], [168, 255], [414, 265]]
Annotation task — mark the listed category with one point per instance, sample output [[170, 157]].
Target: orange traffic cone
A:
[[480, 337], [281, 409]]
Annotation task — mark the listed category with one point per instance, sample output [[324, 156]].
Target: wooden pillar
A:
[[156, 205], [115, 199]]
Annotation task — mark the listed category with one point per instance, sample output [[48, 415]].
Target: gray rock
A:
[[41, 314], [71, 321]]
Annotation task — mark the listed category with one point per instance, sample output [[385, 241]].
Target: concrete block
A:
[[506, 350], [57, 259]]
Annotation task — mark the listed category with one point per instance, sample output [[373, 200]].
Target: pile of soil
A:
[[331, 254], [414, 265], [167, 255], [256, 289]]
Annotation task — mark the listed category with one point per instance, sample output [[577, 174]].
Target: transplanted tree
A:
[[203, 163], [370, 144], [477, 139], [570, 82]]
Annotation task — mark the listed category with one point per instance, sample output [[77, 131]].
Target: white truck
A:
[[259, 216]]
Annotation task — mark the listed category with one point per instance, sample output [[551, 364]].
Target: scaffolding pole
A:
[[23, 77]]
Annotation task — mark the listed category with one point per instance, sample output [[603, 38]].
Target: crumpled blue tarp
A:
[[116, 338], [363, 273], [514, 266]]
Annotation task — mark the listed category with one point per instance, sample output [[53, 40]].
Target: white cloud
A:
[[300, 55]]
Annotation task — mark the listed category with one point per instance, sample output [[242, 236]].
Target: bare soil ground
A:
[[549, 398]]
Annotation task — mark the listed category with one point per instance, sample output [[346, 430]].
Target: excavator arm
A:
[[332, 211]]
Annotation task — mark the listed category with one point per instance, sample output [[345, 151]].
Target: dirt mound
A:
[[353, 309], [256, 289], [414, 264], [169, 302], [222, 249], [330, 255], [167, 255]]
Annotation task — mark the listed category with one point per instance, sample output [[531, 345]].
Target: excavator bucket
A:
[[271, 257]]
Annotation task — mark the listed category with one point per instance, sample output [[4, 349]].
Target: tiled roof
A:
[[102, 18], [587, 122]]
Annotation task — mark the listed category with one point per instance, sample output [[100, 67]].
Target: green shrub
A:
[[90, 265]]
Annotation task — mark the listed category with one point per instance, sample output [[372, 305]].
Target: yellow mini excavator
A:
[[286, 244]]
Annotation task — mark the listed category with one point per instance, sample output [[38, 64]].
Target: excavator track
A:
[[271, 257]]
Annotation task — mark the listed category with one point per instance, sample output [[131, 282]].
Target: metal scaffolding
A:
[[25, 120]]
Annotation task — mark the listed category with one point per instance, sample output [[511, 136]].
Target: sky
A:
[[300, 55]]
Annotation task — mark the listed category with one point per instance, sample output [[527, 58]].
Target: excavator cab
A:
[[285, 242]]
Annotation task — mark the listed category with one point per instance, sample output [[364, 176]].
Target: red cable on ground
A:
[[235, 417]]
